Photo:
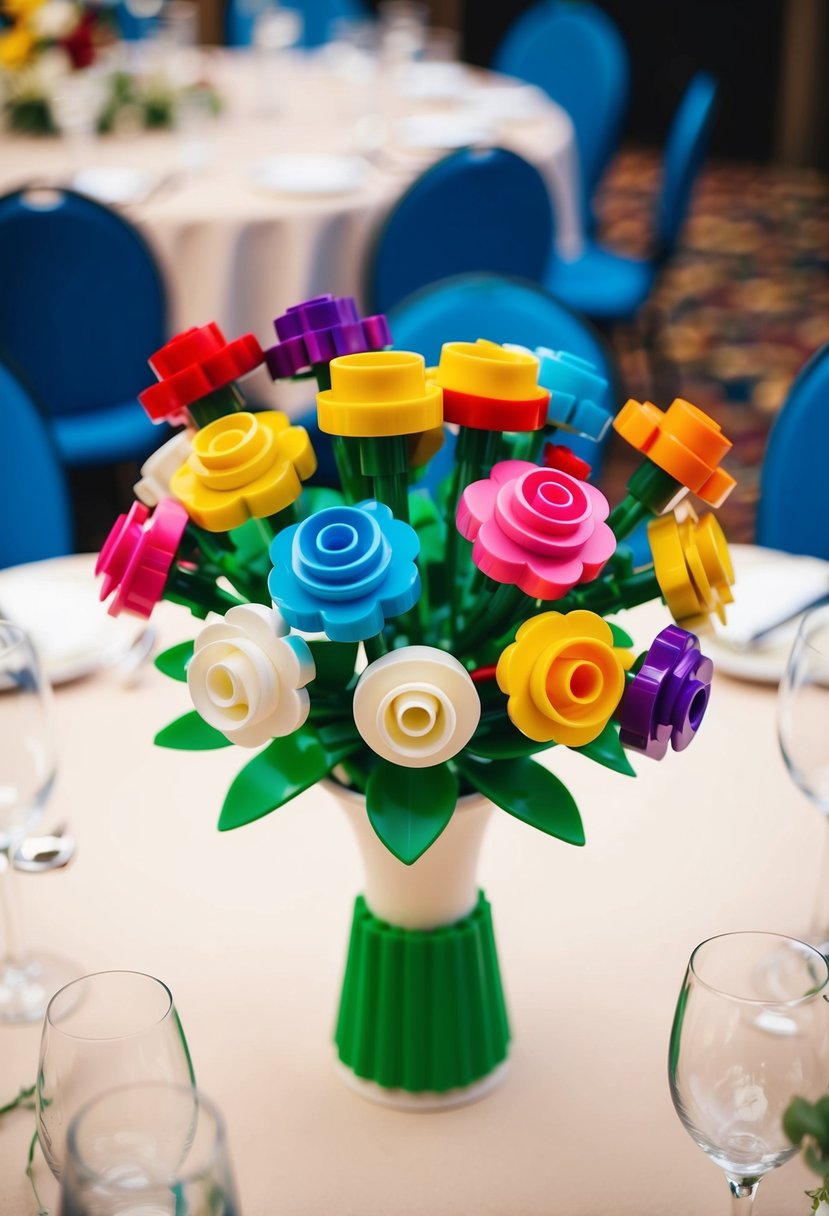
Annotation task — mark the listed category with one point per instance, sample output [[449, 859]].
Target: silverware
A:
[[759, 634], [37, 854]]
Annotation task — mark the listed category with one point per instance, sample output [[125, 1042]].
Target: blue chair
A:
[[34, 498], [476, 210], [576, 54], [82, 308], [608, 286], [467, 307], [318, 17], [794, 503]]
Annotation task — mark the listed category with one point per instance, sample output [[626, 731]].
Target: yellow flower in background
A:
[[693, 567], [563, 677], [241, 466], [19, 8], [16, 45]]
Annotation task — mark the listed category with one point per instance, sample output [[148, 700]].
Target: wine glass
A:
[[803, 731], [750, 1033], [151, 1148], [27, 774], [103, 1030]]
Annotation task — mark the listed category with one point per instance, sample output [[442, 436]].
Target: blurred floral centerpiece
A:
[[51, 47], [417, 646]]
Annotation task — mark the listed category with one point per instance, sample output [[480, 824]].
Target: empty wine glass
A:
[[750, 1033], [103, 1030], [803, 730], [27, 773], [158, 1150]]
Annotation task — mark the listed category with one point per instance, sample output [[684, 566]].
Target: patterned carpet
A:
[[745, 302]]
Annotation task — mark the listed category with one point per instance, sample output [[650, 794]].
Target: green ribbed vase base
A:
[[422, 1011]]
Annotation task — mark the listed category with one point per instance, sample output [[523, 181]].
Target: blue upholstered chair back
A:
[[684, 155], [794, 493], [481, 209], [35, 514], [577, 55], [468, 307], [318, 17], [82, 308]]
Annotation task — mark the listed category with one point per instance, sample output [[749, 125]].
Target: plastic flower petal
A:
[[537, 528], [667, 698], [320, 330], [243, 466], [345, 571], [683, 441], [577, 389], [563, 677], [416, 706], [692, 566], [194, 364], [138, 554], [490, 387], [247, 678], [379, 393], [158, 468]]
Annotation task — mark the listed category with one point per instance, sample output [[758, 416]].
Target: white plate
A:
[[57, 602], [508, 102], [757, 569], [441, 131], [433, 81], [307, 174], [115, 184]]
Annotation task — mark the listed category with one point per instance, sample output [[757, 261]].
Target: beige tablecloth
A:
[[250, 929], [234, 253]]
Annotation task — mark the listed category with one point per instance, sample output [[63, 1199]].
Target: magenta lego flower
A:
[[138, 555], [539, 529], [667, 698]]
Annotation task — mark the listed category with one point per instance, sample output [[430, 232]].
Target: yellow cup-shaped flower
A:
[[241, 466], [16, 45], [563, 677], [378, 393], [693, 568]]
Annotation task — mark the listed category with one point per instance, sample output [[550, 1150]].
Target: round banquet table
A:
[[250, 928], [238, 253]]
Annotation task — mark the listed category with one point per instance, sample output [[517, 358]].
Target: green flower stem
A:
[[375, 647], [223, 401], [384, 460], [23, 1099], [650, 492], [42, 1210], [346, 450], [198, 592], [492, 614], [213, 546], [626, 515], [475, 454]]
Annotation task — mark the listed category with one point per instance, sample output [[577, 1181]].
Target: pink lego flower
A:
[[537, 528], [138, 554]]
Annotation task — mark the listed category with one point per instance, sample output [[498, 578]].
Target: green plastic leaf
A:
[[191, 733], [620, 638], [506, 743], [802, 1119], [529, 792], [409, 807], [607, 750], [285, 768], [319, 498], [173, 662], [334, 662]]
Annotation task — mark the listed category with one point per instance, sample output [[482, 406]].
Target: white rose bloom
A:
[[158, 468], [55, 19], [247, 677], [416, 706]]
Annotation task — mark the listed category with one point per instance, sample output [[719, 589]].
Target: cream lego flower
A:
[[247, 677], [158, 468], [416, 706]]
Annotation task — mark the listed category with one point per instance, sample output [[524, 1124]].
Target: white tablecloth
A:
[[233, 253], [250, 928]]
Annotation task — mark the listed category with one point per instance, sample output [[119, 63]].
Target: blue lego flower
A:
[[345, 571], [578, 392]]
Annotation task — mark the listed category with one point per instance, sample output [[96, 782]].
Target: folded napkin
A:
[[772, 593]]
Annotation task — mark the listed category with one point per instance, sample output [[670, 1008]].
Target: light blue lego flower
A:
[[345, 571], [578, 391]]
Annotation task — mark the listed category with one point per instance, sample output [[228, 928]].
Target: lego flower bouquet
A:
[[418, 646]]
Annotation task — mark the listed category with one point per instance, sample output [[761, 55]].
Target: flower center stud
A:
[[696, 709], [415, 715], [337, 538]]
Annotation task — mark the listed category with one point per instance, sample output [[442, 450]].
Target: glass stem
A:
[[15, 953], [819, 928], [743, 1191]]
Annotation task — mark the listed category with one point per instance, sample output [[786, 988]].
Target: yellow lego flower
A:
[[241, 466], [563, 677], [16, 44], [693, 567], [379, 393]]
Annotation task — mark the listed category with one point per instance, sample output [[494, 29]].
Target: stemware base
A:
[[27, 988]]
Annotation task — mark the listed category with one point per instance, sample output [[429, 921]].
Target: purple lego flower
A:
[[667, 699], [318, 330]]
